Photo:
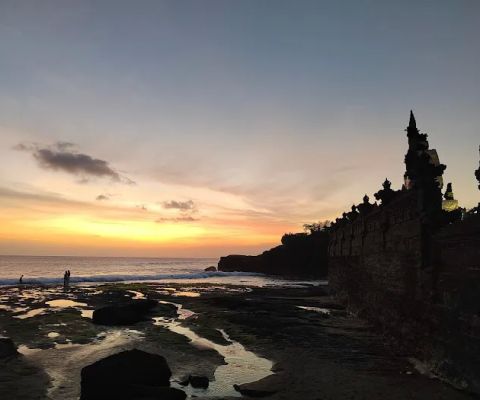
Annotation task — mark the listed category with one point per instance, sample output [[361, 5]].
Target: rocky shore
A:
[[299, 343]]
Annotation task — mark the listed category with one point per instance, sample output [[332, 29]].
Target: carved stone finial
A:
[[448, 192], [449, 204], [385, 194], [352, 215], [366, 206]]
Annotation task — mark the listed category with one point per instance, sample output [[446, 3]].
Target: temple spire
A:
[[412, 123], [412, 131]]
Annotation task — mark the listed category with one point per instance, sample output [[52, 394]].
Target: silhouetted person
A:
[[65, 280], [20, 281]]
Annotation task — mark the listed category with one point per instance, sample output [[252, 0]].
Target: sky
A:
[[203, 128]]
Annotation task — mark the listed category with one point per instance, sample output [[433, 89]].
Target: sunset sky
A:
[[202, 128]]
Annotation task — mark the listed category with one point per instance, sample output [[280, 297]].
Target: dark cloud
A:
[[188, 205], [183, 218], [102, 197], [63, 157]]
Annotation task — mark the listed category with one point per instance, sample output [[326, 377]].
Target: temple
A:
[[410, 265], [422, 164]]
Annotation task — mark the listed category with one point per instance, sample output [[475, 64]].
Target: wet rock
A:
[[199, 381], [127, 375], [253, 392], [126, 314], [7, 347], [211, 269], [185, 381]]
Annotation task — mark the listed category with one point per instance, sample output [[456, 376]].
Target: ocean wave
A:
[[123, 278]]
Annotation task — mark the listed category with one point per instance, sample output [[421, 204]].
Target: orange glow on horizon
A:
[[88, 233]]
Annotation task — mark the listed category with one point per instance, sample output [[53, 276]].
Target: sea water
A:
[[90, 270]]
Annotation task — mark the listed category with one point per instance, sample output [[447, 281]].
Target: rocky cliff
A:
[[300, 255]]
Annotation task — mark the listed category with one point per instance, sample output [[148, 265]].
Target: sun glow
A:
[[145, 231], [88, 233]]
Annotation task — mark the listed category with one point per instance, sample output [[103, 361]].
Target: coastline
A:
[[316, 348]]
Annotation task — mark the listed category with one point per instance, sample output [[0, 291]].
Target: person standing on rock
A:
[[65, 280]]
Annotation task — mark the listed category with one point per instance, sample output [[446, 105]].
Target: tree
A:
[[316, 227]]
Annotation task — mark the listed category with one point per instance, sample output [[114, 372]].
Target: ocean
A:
[[50, 269], [91, 270]]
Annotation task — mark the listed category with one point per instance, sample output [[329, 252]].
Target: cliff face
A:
[[300, 255]]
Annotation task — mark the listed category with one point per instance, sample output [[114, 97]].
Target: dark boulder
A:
[[253, 392], [127, 375], [125, 314], [7, 347], [211, 269], [198, 381], [157, 393]]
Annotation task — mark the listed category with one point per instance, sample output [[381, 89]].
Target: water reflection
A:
[[32, 313], [186, 294], [64, 303], [242, 366]]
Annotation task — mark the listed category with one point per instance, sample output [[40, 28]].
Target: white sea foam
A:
[[124, 278]]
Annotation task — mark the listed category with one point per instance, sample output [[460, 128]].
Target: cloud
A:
[[42, 197], [102, 197], [179, 205], [183, 218], [49, 203], [63, 157]]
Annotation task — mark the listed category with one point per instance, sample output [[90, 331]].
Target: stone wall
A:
[[456, 268], [384, 248], [418, 281]]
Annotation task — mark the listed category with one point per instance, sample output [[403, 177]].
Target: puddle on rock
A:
[[242, 366], [64, 303], [186, 294], [137, 295], [32, 313], [64, 362], [87, 314]]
